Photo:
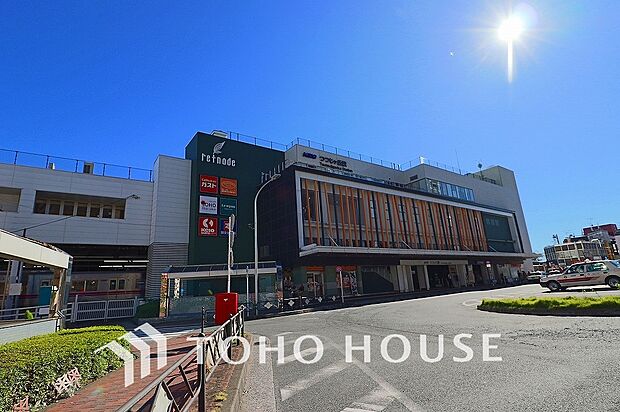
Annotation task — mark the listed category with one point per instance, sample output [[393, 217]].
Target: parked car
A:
[[598, 272], [534, 277]]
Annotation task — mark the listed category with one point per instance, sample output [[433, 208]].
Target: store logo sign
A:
[[228, 187], [217, 149], [214, 158], [208, 205], [207, 226], [309, 155], [332, 162], [228, 206], [208, 184], [224, 227], [327, 161]]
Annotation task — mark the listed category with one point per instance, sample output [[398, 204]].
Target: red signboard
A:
[[207, 226], [228, 187], [208, 184]]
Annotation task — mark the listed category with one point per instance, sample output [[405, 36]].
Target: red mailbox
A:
[[226, 305]]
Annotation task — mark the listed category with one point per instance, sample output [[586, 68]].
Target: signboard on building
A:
[[433, 262], [207, 226], [228, 206], [208, 184], [228, 187], [224, 227], [208, 205], [223, 168]]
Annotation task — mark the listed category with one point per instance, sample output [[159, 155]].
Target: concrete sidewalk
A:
[[259, 392]]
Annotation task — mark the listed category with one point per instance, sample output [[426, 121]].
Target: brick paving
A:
[[109, 392]]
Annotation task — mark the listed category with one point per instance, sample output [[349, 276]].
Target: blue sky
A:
[[121, 82]]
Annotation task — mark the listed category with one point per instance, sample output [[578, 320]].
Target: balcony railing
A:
[[65, 164]]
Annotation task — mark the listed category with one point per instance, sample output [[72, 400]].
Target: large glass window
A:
[[66, 204], [94, 209], [119, 212], [54, 208], [82, 208], [67, 208], [92, 285], [449, 189], [107, 212], [39, 206]]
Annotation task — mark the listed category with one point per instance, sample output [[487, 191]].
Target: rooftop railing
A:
[[65, 164], [353, 155]]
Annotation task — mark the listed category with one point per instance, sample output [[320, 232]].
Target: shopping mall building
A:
[[330, 222]]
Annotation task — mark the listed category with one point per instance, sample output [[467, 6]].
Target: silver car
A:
[[598, 272]]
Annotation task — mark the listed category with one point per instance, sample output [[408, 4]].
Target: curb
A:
[[554, 312], [194, 319], [236, 385]]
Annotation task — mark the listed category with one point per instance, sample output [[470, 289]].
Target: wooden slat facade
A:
[[362, 218]]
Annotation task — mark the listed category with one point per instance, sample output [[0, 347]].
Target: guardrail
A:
[[66, 164], [37, 312], [185, 381]]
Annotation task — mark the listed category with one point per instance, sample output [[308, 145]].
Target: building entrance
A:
[[314, 280], [440, 277]]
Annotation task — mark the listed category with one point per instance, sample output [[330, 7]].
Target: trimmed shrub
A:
[[30, 366], [149, 309], [28, 315], [555, 303]]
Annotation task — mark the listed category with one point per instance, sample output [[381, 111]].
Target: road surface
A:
[[548, 363]]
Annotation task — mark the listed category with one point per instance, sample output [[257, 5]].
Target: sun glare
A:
[[510, 29]]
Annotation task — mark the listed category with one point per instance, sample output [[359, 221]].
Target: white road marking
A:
[[291, 358], [406, 401], [375, 401], [290, 390], [471, 302]]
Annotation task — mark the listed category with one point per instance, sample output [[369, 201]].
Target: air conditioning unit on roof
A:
[[219, 133]]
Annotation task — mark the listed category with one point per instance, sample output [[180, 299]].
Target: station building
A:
[[329, 221]]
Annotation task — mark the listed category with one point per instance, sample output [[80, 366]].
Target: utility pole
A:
[[271, 179], [231, 241]]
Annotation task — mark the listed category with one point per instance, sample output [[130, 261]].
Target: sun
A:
[[511, 29]]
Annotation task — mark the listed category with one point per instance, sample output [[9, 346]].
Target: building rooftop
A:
[[45, 161]]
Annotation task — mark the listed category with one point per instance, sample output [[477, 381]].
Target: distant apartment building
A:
[[574, 251], [609, 235]]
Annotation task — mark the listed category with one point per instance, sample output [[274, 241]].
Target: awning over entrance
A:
[[411, 253], [14, 247], [25, 250], [209, 271]]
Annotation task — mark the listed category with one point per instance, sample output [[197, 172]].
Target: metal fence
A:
[[178, 388], [101, 309], [43, 161], [37, 312]]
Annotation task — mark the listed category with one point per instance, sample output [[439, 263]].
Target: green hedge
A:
[[149, 309], [568, 302], [29, 367]]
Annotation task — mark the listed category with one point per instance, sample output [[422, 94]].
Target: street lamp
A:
[[271, 179]]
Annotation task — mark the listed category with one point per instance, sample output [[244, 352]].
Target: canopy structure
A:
[[21, 249]]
